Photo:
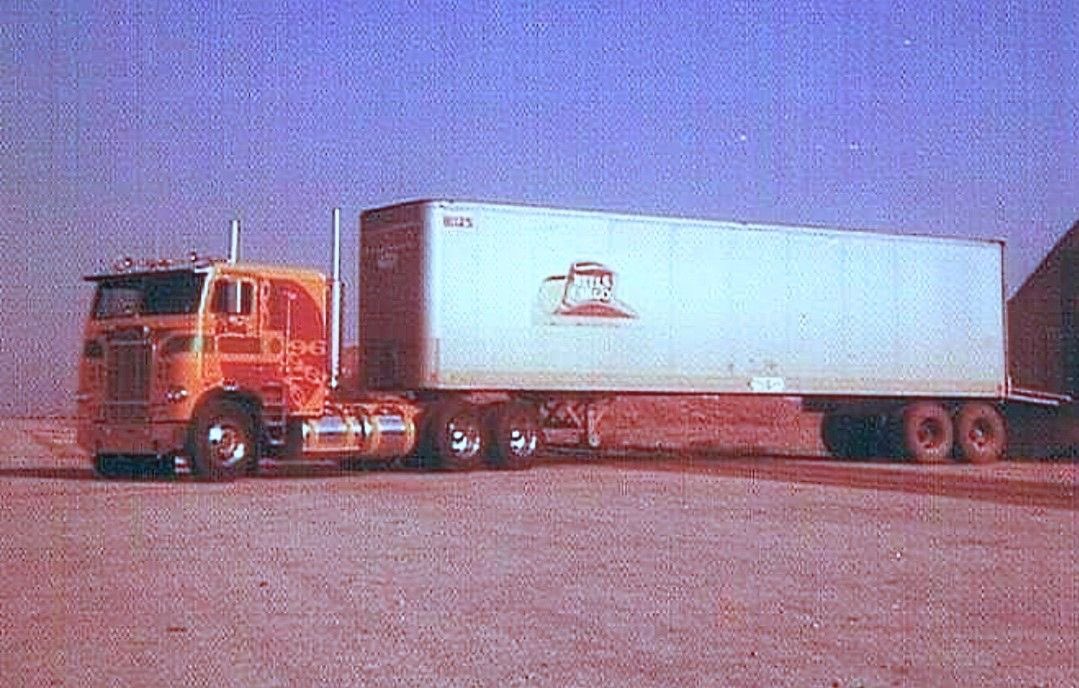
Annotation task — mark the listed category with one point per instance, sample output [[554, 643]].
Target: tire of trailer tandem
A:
[[514, 434], [454, 434], [840, 434], [981, 433], [108, 466], [856, 437], [222, 444], [926, 432]]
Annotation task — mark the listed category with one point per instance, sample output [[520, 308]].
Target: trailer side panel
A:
[[523, 298]]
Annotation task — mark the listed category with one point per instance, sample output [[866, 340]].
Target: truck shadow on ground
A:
[[980, 483], [42, 473]]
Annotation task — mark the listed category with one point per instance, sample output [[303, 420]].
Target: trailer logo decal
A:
[[583, 296]]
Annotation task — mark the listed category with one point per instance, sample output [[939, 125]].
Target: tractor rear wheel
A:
[[455, 434], [515, 434]]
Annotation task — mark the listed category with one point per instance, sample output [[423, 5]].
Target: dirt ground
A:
[[630, 570]]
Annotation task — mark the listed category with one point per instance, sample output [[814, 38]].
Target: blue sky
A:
[[142, 129]]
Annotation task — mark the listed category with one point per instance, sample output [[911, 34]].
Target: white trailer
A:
[[900, 338]]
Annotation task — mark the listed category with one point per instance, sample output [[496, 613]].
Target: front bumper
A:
[[135, 439]]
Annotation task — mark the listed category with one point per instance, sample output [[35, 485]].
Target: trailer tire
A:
[[223, 441], [855, 437], [926, 432], [835, 432], [981, 432], [847, 436], [455, 433], [108, 466], [514, 434]]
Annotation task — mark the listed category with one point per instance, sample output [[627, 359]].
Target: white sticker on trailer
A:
[[767, 384]]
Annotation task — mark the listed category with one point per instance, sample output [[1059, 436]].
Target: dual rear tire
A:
[[460, 436], [926, 432], [514, 434], [981, 432], [976, 433], [922, 431]]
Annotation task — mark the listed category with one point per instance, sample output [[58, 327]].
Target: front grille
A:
[[127, 377]]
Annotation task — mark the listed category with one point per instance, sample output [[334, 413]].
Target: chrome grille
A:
[[128, 360]]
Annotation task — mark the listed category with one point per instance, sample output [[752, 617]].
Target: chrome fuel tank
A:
[[375, 430]]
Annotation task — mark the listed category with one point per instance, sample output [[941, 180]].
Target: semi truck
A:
[[487, 330]]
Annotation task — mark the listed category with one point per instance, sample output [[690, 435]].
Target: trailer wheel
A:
[[456, 435], [515, 434], [980, 432], [108, 466], [835, 434], [855, 437], [927, 433], [223, 441], [843, 435]]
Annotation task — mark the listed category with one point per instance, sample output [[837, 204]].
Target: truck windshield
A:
[[170, 293]]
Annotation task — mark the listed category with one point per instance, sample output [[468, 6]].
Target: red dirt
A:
[[737, 426], [669, 572]]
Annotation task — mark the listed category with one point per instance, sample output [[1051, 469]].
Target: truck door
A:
[[247, 359], [235, 316], [295, 328]]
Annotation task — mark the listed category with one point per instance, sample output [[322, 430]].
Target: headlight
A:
[[176, 395]]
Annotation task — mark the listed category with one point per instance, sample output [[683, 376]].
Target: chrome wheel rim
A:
[[930, 433], [464, 439], [227, 443], [981, 433], [522, 441]]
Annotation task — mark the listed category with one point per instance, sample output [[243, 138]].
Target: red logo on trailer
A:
[[586, 292]]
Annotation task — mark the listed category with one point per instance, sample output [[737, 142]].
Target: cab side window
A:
[[233, 297]]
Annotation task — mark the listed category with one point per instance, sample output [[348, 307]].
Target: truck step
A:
[[275, 414]]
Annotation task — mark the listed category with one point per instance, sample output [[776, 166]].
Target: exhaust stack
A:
[[234, 242], [335, 304]]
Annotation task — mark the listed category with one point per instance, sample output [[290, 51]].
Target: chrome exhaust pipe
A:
[[234, 242]]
